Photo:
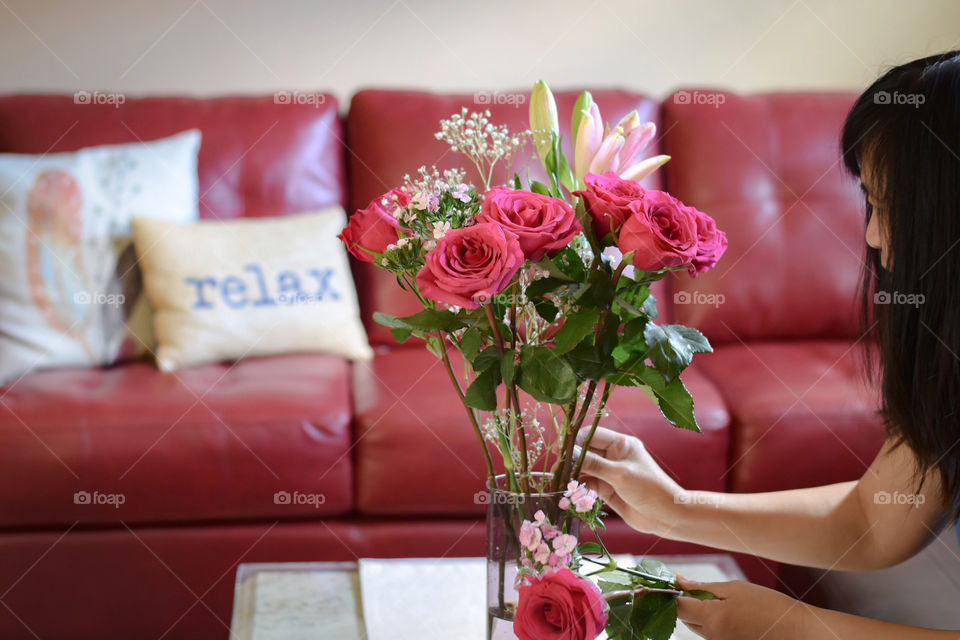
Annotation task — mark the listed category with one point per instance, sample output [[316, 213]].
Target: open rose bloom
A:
[[514, 283]]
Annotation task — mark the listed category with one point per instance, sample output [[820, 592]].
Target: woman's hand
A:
[[628, 479], [743, 611]]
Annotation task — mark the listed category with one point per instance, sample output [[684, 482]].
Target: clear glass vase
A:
[[506, 511]]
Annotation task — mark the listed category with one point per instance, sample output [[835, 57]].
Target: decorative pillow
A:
[[258, 286], [70, 291]]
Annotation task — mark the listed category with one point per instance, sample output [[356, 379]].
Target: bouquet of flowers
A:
[[544, 290]]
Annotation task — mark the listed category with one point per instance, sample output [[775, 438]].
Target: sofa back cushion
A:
[[768, 169], [260, 155], [391, 133]]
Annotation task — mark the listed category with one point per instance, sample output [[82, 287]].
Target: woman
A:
[[902, 140]]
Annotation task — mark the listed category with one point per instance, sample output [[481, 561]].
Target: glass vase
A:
[[506, 510]]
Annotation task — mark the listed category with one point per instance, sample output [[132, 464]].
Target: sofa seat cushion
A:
[[801, 414], [266, 438], [417, 453]]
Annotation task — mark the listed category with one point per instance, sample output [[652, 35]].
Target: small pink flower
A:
[[460, 193], [550, 532], [425, 200], [540, 517], [529, 535], [582, 498], [564, 544], [542, 553], [564, 504]]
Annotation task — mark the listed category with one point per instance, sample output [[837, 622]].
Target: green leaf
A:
[[618, 622], [546, 376], [546, 309], [587, 223], [554, 269], [563, 170], [487, 357], [435, 346], [538, 187], [426, 320], [700, 594], [482, 392], [507, 369], [586, 548], [673, 399], [589, 363], [401, 335], [650, 306], [570, 264], [671, 346], [619, 578], [543, 286], [654, 616], [655, 568], [470, 344], [576, 327]]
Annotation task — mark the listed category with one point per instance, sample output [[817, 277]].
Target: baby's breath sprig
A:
[[483, 142]]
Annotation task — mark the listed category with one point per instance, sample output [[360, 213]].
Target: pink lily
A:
[[599, 150]]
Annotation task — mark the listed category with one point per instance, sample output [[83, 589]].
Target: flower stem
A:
[[604, 396], [470, 413], [511, 399]]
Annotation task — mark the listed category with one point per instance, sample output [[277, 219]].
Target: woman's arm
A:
[[746, 610], [870, 523]]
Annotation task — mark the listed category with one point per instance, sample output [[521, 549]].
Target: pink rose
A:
[[711, 244], [560, 606], [662, 232], [470, 265], [607, 199], [374, 228], [541, 223]]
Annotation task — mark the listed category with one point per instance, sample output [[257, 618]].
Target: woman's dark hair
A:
[[906, 129]]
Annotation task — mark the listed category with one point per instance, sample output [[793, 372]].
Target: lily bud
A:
[[543, 118]]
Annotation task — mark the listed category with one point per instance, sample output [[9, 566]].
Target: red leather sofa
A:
[[200, 454]]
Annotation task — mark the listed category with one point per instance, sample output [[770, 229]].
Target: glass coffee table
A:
[[396, 599]]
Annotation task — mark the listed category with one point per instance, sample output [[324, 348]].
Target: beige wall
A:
[[219, 46]]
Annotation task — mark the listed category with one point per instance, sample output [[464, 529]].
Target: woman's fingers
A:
[[602, 437], [691, 611], [719, 589], [609, 495], [599, 467]]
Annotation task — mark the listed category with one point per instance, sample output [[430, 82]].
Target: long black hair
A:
[[906, 128]]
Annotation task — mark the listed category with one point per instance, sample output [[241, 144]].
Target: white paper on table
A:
[[424, 599], [298, 606]]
